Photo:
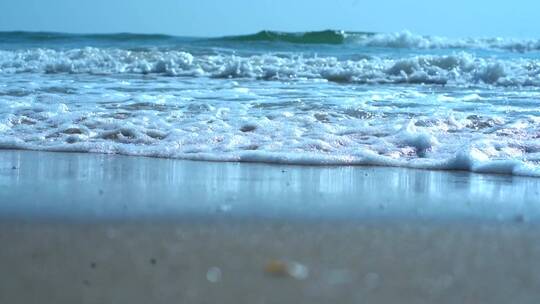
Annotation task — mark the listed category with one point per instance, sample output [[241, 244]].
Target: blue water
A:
[[314, 98]]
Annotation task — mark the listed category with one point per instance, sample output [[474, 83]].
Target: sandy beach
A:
[[92, 228], [269, 152]]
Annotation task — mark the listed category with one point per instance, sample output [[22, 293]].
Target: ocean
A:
[[313, 98]]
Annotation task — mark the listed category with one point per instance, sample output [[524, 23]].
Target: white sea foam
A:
[[252, 121], [406, 39], [448, 110], [455, 69]]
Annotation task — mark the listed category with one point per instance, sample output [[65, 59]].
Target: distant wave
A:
[[397, 40], [314, 37], [318, 37], [459, 68], [404, 39], [55, 36]]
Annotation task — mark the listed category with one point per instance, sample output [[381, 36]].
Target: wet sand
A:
[[84, 228]]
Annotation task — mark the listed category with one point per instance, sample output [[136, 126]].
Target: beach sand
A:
[[91, 228]]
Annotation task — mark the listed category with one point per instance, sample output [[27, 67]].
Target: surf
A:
[[312, 37]]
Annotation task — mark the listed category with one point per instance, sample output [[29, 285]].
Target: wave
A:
[[22, 36], [460, 68], [465, 160], [397, 40], [513, 149], [315, 37], [406, 39], [403, 39]]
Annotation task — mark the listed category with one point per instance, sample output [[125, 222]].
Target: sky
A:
[[456, 18]]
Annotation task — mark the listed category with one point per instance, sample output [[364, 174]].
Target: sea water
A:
[[313, 98]]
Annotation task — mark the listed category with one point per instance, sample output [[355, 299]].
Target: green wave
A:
[[311, 37], [315, 37]]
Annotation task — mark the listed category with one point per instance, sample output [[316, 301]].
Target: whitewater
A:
[[311, 98]]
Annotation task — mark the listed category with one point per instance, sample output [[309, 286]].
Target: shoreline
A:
[[461, 163], [101, 186]]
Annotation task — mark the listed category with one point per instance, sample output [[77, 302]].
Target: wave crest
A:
[[318, 37], [399, 40], [456, 69], [406, 39]]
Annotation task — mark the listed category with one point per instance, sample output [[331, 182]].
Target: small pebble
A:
[[213, 275], [287, 269], [276, 268], [297, 270]]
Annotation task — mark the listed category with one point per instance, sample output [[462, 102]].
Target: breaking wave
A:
[[320, 37], [406, 39], [400, 40], [460, 68]]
